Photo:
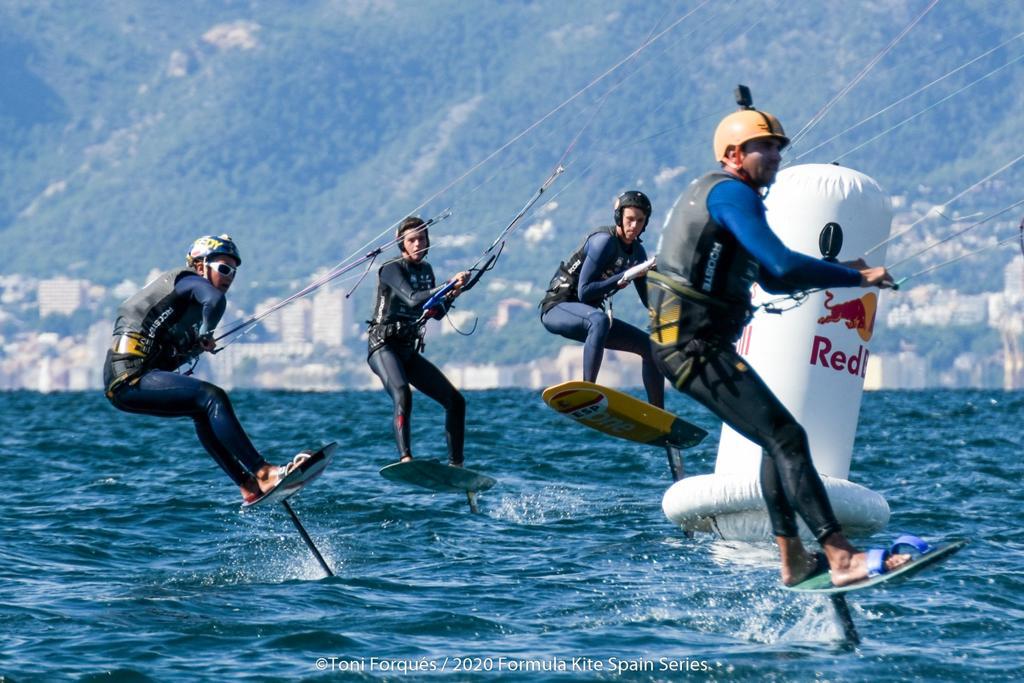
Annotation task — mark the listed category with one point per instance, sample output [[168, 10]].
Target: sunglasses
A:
[[222, 268]]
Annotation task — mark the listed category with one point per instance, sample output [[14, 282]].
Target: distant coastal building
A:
[[619, 370], [296, 322], [331, 317], [61, 295], [506, 308], [1006, 314], [903, 370]]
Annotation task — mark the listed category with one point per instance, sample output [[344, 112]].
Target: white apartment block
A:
[[296, 322], [61, 295], [332, 316]]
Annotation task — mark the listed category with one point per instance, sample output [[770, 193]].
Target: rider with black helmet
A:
[[574, 305]]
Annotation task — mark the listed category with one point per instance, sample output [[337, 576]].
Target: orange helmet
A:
[[743, 126]]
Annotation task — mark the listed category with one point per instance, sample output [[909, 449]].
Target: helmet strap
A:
[[620, 230], [742, 173], [737, 170]]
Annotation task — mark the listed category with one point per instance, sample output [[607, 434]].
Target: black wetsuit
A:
[[573, 306], [394, 345], [157, 330], [716, 244]]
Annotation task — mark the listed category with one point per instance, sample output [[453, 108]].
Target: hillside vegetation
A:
[[305, 129]]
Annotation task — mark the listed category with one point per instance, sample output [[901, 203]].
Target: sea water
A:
[[125, 555]]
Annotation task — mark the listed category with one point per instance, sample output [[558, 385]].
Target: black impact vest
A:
[[564, 286], [394, 321], [705, 265]]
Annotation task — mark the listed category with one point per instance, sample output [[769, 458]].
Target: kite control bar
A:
[[439, 296]]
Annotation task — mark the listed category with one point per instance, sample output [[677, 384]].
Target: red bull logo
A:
[[857, 314]]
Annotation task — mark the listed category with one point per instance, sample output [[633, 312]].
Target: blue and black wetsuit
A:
[[394, 345], [574, 306], [158, 330], [716, 245]]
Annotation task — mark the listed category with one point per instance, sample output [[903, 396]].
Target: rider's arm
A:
[[641, 282], [599, 251], [740, 210], [206, 295]]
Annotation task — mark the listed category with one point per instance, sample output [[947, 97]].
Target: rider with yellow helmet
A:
[[167, 324]]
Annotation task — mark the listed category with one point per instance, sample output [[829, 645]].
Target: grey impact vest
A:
[[704, 275], [154, 329]]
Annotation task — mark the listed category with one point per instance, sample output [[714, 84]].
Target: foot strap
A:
[[296, 462], [876, 561], [909, 541]]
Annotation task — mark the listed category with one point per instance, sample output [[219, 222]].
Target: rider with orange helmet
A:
[[715, 247]]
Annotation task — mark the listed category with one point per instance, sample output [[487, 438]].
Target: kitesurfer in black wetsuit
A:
[[395, 339], [167, 324], [716, 245], [574, 305]]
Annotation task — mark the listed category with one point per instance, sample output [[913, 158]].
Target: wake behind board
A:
[[300, 476], [621, 415], [822, 583], [436, 476]]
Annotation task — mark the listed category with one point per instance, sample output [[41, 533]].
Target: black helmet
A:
[[212, 245], [408, 224], [633, 198]]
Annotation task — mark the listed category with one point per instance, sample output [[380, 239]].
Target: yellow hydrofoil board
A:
[[621, 415]]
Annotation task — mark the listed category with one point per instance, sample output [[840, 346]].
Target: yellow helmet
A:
[[743, 126]]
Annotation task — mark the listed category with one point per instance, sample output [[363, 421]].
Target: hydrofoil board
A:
[[302, 474], [621, 415], [436, 476], [822, 583]]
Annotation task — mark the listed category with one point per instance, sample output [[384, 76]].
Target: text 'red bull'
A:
[[822, 354]]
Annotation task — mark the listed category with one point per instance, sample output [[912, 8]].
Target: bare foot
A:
[[801, 566], [250, 490], [855, 567], [405, 458], [797, 562]]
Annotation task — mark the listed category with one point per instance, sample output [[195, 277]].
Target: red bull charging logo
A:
[[857, 314]]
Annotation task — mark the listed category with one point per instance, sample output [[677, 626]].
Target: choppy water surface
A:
[[125, 556]]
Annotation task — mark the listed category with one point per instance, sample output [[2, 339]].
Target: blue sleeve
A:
[[206, 295], [599, 251], [740, 210]]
